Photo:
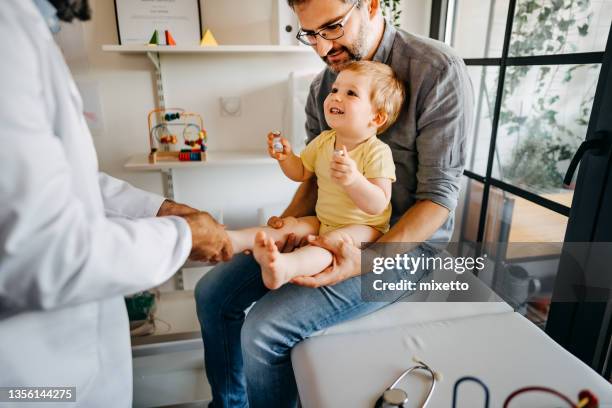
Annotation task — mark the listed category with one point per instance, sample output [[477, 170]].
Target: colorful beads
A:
[[168, 139], [172, 116], [190, 155]]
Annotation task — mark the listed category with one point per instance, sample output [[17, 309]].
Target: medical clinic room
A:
[[306, 203]]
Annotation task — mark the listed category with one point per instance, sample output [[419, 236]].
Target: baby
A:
[[354, 171]]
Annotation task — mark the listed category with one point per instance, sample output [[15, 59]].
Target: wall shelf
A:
[[221, 49], [141, 161]]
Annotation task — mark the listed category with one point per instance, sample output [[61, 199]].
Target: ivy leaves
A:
[[542, 140], [391, 10]]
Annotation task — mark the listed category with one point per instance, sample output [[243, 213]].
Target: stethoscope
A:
[[396, 397]]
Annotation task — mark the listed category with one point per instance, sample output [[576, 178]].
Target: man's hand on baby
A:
[[273, 143], [346, 263], [210, 242], [343, 169]]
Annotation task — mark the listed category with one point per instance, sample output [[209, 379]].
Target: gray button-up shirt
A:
[[428, 138]]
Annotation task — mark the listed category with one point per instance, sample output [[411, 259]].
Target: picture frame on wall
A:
[[137, 20]]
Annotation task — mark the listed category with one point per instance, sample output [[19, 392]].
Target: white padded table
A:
[[423, 307], [407, 313], [503, 349]]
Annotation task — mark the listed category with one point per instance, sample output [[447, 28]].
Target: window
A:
[[534, 73]]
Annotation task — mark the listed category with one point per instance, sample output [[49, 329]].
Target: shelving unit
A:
[[140, 162], [137, 49]]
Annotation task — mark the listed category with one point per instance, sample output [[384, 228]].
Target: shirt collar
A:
[[49, 14], [386, 43]]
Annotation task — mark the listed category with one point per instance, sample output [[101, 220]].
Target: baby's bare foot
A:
[[274, 271]]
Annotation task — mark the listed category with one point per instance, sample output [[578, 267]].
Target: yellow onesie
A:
[[334, 208]]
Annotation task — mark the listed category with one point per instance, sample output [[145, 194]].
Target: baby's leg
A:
[[278, 269], [300, 227]]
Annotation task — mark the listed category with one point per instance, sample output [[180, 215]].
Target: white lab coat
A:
[[73, 241]]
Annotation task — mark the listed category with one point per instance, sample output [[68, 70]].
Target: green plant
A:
[[391, 10], [544, 27]]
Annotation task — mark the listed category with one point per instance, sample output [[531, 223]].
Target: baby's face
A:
[[348, 106]]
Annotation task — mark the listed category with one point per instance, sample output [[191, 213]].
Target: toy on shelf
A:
[[169, 39], [208, 40], [165, 124], [154, 41]]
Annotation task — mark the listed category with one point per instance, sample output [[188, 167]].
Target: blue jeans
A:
[[248, 360]]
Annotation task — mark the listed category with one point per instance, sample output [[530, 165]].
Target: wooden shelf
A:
[[135, 49], [140, 162]]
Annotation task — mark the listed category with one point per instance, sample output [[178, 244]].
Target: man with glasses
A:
[[248, 360]]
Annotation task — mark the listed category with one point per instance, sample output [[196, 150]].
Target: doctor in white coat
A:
[[73, 241]]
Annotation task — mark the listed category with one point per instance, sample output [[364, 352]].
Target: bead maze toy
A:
[[163, 142]]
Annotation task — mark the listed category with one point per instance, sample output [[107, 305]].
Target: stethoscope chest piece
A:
[[394, 397]]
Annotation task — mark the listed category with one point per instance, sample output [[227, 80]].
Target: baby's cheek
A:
[[326, 101]]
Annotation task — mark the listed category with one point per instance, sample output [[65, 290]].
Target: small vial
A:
[[277, 145], [339, 152]]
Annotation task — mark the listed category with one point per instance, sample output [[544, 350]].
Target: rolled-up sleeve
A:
[[443, 127]]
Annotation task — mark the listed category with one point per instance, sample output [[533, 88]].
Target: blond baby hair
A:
[[387, 94]]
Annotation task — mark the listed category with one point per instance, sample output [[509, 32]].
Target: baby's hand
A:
[[343, 169], [275, 141]]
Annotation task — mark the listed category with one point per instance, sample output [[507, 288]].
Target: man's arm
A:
[[418, 223], [443, 126]]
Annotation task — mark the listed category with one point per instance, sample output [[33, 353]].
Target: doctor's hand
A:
[[346, 263], [210, 242], [170, 207]]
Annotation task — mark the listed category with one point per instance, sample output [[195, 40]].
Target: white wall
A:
[[125, 85], [416, 16]]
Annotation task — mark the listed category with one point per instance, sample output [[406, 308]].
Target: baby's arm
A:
[[291, 164], [371, 195], [293, 168]]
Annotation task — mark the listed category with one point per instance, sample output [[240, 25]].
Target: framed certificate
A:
[[137, 20]]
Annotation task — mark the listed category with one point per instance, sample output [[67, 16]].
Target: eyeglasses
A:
[[330, 32]]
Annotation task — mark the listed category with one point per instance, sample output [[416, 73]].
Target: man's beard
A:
[[356, 52], [68, 10]]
